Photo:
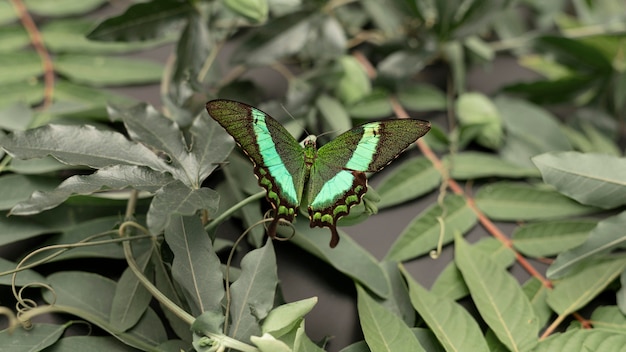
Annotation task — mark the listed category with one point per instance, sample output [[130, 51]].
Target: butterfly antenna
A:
[[296, 120]]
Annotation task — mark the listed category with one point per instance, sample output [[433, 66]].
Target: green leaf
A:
[[16, 188], [267, 343], [7, 13], [383, 330], [286, 317], [404, 63], [196, 267], [575, 54], [37, 338], [530, 131], [22, 278], [575, 339], [211, 145], [68, 36], [550, 238], [194, 46], [450, 283], [348, 257], [19, 66], [334, 114], [131, 298], [12, 37], [609, 318], [421, 97], [407, 181], [399, 301], [454, 327], [175, 198], [62, 8], [254, 10], [107, 71], [372, 106], [516, 201], [537, 294], [89, 296], [80, 145], [143, 21], [608, 235], [89, 343], [576, 290], [422, 234], [30, 92], [386, 16], [472, 165], [592, 179], [36, 166], [253, 292], [284, 36], [354, 84], [498, 297], [75, 233], [475, 109], [116, 177], [147, 126]]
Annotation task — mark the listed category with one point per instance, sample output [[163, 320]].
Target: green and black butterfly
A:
[[329, 180]]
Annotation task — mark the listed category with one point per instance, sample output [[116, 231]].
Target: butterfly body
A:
[[329, 180]]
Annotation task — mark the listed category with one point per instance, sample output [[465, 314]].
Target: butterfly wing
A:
[[277, 157], [337, 180]]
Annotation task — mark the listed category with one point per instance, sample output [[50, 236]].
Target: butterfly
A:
[[329, 180]]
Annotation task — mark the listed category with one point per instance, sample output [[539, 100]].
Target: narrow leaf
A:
[[473, 165], [16, 188], [19, 66], [383, 330], [609, 318], [107, 71], [530, 131], [253, 292], [131, 298], [284, 318], [115, 177], [587, 339], [552, 237], [37, 338], [411, 179], [175, 198], [608, 235], [421, 97], [348, 257], [517, 201], [592, 179], [211, 144], [80, 145], [576, 290], [196, 267], [450, 284], [498, 297], [422, 234], [450, 322], [62, 8], [143, 21], [475, 109]]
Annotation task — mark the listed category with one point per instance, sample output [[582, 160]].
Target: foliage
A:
[[103, 176]]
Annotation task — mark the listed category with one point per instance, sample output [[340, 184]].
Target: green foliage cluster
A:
[[102, 175]]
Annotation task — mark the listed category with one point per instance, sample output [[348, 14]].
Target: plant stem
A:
[[225, 215]]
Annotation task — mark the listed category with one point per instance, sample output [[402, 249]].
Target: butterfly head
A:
[[310, 141]]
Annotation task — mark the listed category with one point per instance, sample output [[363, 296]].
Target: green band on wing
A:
[[272, 159], [365, 150], [333, 189]]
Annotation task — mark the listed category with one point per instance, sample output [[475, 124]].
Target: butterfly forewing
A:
[[278, 158]]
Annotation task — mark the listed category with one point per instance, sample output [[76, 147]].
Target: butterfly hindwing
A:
[[337, 180], [278, 158]]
